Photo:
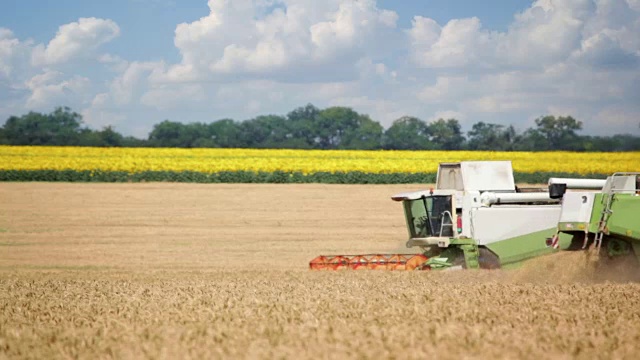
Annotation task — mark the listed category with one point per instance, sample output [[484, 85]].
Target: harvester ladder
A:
[[604, 217], [449, 224], [606, 210]]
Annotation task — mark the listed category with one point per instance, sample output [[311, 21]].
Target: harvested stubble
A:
[[209, 301]]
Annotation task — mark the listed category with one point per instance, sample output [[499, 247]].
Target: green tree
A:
[[175, 134], [108, 137], [166, 134], [559, 132], [60, 127], [337, 127], [130, 141], [446, 134], [487, 136], [267, 131], [225, 133], [531, 140], [367, 135], [624, 142], [302, 123], [407, 133]]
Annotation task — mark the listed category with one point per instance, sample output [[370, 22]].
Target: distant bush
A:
[[277, 177]]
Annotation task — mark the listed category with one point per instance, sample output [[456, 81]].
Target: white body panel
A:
[[487, 176], [412, 195], [476, 176], [470, 201], [620, 184], [449, 177], [488, 198], [578, 183], [498, 223], [577, 206]]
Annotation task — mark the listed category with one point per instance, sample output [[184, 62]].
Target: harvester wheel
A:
[[487, 259]]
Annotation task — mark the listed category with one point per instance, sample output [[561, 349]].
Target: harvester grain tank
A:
[[474, 218], [607, 220]]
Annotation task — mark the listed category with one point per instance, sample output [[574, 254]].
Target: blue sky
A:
[[134, 63]]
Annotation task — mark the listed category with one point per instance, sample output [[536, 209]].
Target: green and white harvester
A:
[[476, 217]]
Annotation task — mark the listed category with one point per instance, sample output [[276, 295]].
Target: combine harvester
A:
[[477, 218]]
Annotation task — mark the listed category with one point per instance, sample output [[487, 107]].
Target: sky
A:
[[131, 64]]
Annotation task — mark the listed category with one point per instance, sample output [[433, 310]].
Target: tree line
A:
[[309, 127]]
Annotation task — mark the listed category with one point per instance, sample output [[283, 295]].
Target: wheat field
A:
[[220, 271]]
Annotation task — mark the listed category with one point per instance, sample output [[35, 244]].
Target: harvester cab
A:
[[435, 216], [474, 208]]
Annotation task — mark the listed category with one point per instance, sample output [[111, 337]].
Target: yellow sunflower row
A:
[[134, 160]]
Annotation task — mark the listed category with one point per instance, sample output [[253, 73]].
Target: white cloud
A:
[[249, 57], [582, 55], [446, 89], [114, 62], [76, 39], [132, 82], [166, 97], [544, 34], [497, 104], [619, 118], [254, 37], [8, 43], [6, 33], [460, 42], [604, 50], [448, 114], [383, 111], [49, 90], [98, 119], [634, 4], [12, 53]]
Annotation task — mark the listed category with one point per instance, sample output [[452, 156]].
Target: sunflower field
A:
[[44, 163]]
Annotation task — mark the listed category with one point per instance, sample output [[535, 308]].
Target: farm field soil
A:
[[220, 271]]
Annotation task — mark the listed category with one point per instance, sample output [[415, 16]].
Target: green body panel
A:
[[510, 252], [469, 249], [596, 212], [573, 226], [459, 252], [514, 250], [471, 256], [624, 221]]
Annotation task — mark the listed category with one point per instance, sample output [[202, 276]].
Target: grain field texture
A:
[[220, 271]]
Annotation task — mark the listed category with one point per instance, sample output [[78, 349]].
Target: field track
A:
[[191, 271]]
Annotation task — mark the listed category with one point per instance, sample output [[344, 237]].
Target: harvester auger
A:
[[606, 221], [474, 218]]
